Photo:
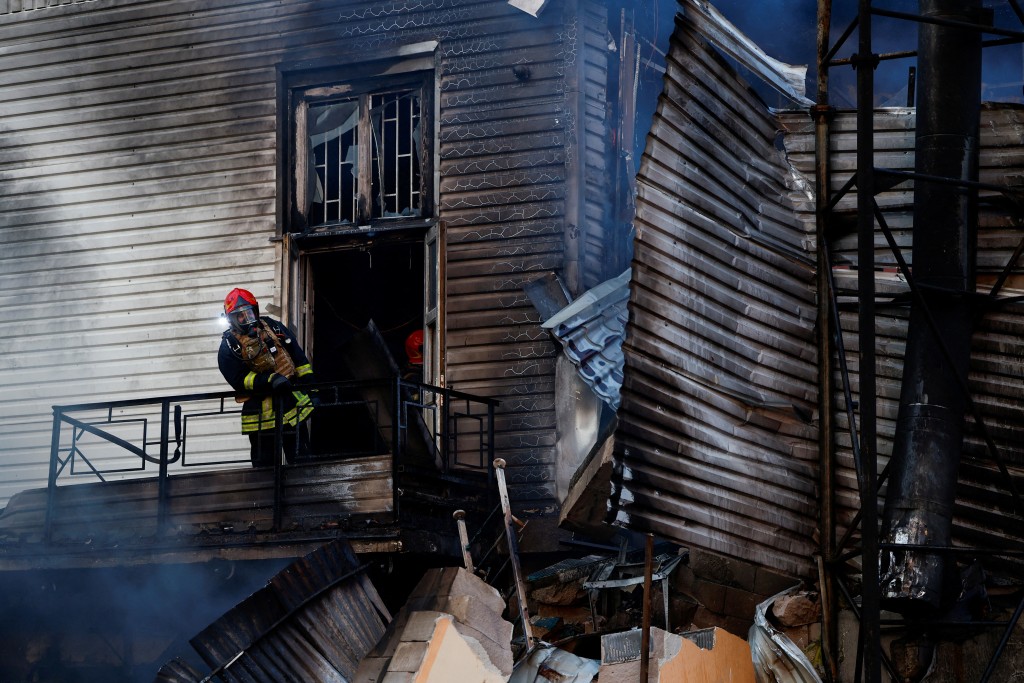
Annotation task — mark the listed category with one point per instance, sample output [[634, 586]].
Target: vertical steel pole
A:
[[51, 481], [460, 521], [930, 425], [513, 552], [827, 327], [645, 633], [162, 491], [865, 62]]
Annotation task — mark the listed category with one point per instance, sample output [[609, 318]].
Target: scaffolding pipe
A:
[[645, 633], [823, 113], [869, 647], [930, 424], [513, 554]]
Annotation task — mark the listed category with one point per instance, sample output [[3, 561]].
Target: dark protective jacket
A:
[[251, 375]]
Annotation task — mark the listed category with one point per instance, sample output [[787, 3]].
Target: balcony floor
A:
[[226, 514]]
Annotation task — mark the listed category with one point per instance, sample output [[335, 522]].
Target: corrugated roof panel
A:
[[314, 621], [715, 447], [591, 330]]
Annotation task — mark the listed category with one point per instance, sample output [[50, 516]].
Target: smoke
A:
[[120, 623]]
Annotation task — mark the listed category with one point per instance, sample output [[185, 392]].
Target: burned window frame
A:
[[390, 66], [305, 84]]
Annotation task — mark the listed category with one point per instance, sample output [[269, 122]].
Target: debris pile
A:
[[610, 618], [451, 627], [702, 656], [798, 615]]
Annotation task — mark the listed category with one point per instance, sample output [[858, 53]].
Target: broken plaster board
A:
[[531, 7], [452, 593], [680, 660]]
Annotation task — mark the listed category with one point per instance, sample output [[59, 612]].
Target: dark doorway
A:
[[367, 300]]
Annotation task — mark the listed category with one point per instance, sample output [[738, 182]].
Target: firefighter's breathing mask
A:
[[243, 320]]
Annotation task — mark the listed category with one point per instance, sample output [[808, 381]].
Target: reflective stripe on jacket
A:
[[265, 418], [239, 371]]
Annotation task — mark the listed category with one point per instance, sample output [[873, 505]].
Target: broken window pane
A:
[[395, 118], [364, 153], [333, 190]]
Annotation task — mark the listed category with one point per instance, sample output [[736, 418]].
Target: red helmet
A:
[[242, 310], [414, 347]]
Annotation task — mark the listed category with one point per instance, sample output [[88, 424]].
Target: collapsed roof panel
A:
[[715, 448], [788, 79], [313, 621], [590, 330]]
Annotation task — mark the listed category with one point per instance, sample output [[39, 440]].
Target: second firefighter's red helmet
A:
[[242, 310], [414, 347]]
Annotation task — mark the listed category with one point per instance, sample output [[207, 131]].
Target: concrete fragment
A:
[[797, 609], [474, 611], [409, 656], [776, 656], [446, 655], [559, 593]]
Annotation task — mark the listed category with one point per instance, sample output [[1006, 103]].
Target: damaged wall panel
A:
[[122, 227], [715, 447], [313, 621], [983, 513], [522, 135]]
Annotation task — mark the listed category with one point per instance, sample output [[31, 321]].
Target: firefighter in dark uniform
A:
[[260, 355]]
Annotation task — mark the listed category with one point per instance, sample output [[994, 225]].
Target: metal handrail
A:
[[413, 405]]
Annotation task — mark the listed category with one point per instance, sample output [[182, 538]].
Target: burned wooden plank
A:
[[202, 501]]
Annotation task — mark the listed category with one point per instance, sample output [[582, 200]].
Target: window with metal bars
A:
[[363, 154]]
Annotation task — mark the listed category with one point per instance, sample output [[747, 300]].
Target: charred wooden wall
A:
[[138, 170], [716, 447], [516, 192]]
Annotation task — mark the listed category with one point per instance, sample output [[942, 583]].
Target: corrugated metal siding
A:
[[713, 449], [597, 228], [137, 166], [982, 512]]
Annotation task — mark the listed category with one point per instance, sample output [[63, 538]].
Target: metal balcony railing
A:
[[418, 425]]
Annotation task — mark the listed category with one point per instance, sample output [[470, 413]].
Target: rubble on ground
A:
[[452, 619], [586, 616], [703, 656]]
